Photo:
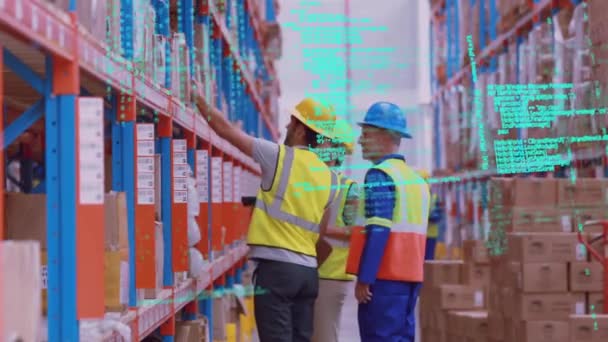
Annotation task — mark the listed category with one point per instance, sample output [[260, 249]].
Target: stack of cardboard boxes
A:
[[233, 312], [537, 279], [229, 311], [541, 274], [452, 300], [22, 225], [192, 331]]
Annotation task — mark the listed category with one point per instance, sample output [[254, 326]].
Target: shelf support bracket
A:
[[23, 71], [22, 123]]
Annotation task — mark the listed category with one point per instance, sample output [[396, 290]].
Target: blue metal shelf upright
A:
[[53, 68]]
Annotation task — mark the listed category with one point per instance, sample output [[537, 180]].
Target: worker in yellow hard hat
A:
[[435, 217], [296, 189], [334, 283]]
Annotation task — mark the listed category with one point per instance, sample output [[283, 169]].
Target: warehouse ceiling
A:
[[390, 27]]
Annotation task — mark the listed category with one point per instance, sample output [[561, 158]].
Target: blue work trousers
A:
[[429, 254], [391, 314]]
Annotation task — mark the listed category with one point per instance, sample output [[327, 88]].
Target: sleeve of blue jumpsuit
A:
[[379, 205], [435, 215]]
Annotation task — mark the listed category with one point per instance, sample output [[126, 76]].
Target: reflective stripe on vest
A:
[[334, 267], [403, 257], [288, 219]]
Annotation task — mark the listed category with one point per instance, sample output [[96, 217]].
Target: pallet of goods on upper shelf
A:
[[540, 96]]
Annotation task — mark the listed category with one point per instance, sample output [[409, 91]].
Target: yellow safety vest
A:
[[403, 256], [288, 216], [334, 267], [433, 231]]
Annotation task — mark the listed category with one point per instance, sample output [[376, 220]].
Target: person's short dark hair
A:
[[313, 139]]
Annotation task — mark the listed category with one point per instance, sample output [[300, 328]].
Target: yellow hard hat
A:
[[344, 134], [316, 116], [423, 173]]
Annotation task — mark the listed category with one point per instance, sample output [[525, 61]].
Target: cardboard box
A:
[[496, 326], [545, 247], [441, 272], [588, 328], [192, 331], [115, 280], [455, 323], [534, 192], [22, 225], [527, 219], [584, 192], [543, 307], [544, 331], [595, 303], [115, 220], [586, 277], [495, 298], [159, 262], [237, 308], [476, 275], [460, 297], [582, 214], [544, 277], [476, 325], [500, 193], [221, 308], [475, 251]]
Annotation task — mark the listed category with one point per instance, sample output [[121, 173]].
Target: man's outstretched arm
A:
[[223, 127]]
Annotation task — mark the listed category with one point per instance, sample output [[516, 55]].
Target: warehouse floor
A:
[[349, 329]]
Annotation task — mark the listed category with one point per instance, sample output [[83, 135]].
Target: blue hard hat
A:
[[388, 116]]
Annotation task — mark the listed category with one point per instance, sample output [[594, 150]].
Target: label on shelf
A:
[[145, 164], [478, 298], [180, 196], [579, 308], [566, 223], [145, 180], [581, 252], [180, 158], [145, 131], [216, 179], [180, 184], [202, 175], [91, 150], [228, 182], [145, 148], [145, 196], [179, 145], [181, 169], [237, 174]]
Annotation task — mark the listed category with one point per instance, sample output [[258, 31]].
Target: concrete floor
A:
[[349, 327]]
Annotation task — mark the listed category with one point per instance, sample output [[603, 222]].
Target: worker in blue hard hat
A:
[[388, 254]]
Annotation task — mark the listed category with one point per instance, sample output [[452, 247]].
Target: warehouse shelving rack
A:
[[463, 183], [64, 65]]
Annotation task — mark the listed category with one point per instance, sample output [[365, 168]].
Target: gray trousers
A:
[[284, 312]]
